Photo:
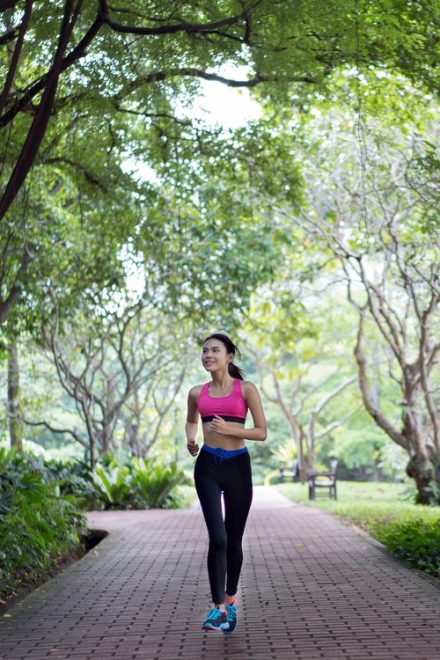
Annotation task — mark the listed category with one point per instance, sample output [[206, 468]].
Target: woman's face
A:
[[214, 355]]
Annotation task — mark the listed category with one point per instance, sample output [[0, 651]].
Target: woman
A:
[[223, 466]]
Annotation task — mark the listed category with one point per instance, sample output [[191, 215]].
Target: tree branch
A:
[[39, 85], [189, 28], [367, 398], [311, 436], [88, 175], [16, 54], [73, 433], [38, 127], [9, 36], [423, 350], [8, 4]]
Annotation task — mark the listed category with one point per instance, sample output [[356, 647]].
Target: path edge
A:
[[404, 562]]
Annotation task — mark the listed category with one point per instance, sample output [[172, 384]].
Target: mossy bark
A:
[[15, 423]]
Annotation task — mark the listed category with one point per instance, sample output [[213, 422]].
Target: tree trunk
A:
[[424, 463], [15, 423], [106, 437], [417, 433], [132, 429], [423, 473], [303, 459]]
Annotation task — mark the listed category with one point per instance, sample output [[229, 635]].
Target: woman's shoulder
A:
[[248, 386], [195, 391]]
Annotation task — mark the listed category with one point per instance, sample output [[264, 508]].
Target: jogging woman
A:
[[223, 466]]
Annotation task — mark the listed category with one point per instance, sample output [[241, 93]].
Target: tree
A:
[[15, 423], [70, 238], [92, 65], [145, 412], [106, 365], [301, 357], [377, 217], [303, 426]]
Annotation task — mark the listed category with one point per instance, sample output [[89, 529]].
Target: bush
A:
[[154, 485], [41, 521], [417, 541], [113, 486], [75, 477], [143, 483], [38, 525], [272, 477], [138, 484]]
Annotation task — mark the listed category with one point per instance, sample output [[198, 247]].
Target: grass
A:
[[349, 491], [386, 512]]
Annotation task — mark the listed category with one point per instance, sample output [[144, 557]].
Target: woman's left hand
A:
[[219, 425]]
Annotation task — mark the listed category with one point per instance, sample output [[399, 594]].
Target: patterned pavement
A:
[[311, 588]]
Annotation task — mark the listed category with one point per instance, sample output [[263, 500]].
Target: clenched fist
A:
[[192, 447]]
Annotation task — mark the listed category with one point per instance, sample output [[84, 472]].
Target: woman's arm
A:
[[192, 419], [253, 400]]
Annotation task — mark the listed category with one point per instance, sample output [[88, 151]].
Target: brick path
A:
[[311, 588]]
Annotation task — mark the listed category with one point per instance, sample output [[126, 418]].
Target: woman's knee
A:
[[218, 541], [235, 547]]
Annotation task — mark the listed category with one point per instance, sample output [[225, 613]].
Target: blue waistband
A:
[[224, 453]]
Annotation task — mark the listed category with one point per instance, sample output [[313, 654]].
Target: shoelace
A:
[[213, 614]]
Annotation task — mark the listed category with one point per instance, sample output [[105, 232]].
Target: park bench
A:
[[323, 480], [289, 472]]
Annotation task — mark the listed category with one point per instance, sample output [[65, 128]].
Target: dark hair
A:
[[234, 371]]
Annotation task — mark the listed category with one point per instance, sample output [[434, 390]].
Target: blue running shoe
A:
[[216, 620], [232, 618]]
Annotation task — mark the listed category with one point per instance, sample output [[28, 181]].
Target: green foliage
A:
[[143, 483], [359, 443], [40, 516], [417, 541], [272, 478], [128, 101], [351, 170], [113, 483], [75, 478], [433, 491], [38, 525], [154, 484], [286, 452], [360, 496]]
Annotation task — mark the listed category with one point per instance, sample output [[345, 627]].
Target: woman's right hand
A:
[[192, 447]]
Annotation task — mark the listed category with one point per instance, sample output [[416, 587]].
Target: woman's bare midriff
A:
[[216, 440]]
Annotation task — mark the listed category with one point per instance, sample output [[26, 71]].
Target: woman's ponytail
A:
[[235, 371]]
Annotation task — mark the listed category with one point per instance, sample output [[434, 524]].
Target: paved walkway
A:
[[311, 588]]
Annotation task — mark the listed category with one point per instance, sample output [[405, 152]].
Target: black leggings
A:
[[233, 477]]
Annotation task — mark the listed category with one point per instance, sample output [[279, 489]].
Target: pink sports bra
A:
[[233, 407]]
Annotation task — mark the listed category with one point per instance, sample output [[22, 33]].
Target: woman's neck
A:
[[221, 380]]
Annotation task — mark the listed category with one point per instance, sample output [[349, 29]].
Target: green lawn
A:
[[386, 512], [348, 491]]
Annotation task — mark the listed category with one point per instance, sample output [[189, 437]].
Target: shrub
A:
[[142, 483], [417, 541], [75, 477], [154, 485], [272, 477], [113, 484], [38, 525]]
